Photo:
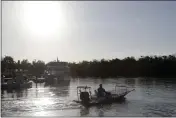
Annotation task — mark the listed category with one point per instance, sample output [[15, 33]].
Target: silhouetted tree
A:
[[145, 66], [149, 66], [8, 65], [38, 67], [25, 65]]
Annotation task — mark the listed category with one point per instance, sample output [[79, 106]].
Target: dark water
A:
[[150, 98]]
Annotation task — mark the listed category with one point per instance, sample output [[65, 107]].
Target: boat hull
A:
[[102, 101]]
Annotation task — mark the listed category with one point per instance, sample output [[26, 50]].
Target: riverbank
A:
[[146, 66]]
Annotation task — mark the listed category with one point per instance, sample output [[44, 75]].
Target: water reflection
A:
[[43, 101], [60, 89], [150, 98], [41, 113], [164, 110], [14, 93], [19, 93], [101, 113], [59, 83], [130, 81], [63, 92], [84, 111]]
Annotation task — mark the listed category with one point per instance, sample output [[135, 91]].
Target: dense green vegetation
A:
[[148, 66]]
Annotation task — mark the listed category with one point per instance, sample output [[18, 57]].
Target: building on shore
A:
[[57, 70]]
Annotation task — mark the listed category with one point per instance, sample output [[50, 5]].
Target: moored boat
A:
[[56, 71], [15, 83], [39, 80]]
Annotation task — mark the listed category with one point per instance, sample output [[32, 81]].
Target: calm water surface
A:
[[150, 98]]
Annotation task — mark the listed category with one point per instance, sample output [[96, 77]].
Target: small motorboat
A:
[[85, 98]]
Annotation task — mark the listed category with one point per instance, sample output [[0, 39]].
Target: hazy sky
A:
[[75, 31]]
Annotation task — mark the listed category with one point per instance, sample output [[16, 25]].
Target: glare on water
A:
[[150, 98]]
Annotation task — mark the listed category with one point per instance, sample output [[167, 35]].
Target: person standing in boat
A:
[[101, 91]]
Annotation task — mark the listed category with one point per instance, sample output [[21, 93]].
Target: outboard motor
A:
[[84, 96]]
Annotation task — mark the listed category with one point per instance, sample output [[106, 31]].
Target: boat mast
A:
[[57, 59]]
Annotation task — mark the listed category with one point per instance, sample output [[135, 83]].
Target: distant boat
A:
[[15, 83], [39, 79]]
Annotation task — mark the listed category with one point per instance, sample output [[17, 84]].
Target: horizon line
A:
[[135, 57]]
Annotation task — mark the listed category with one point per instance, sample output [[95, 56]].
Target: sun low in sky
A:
[[43, 18], [87, 30]]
